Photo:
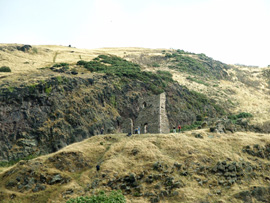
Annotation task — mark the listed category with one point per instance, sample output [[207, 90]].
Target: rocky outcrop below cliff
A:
[[50, 114], [148, 168]]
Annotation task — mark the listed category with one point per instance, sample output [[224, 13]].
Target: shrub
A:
[[167, 55], [61, 65], [114, 196], [156, 65], [113, 65], [180, 51], [204, 66], [240, 115], [193, 126], [81, 63], [5, 69]]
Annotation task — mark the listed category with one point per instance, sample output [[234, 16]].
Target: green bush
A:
[[114, 197], [81, 62], [113, 65], [5, 69], [190, 65], [61, 65], [168, 55], [180, 51], [197, 64], [240, 115], [156, 65], [193, 126]]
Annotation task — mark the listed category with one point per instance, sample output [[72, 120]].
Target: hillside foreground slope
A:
[[195, 166]]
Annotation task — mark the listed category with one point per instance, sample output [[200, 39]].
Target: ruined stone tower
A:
[[152, 117]]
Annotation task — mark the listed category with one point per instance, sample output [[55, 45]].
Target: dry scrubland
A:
[[115, 154]]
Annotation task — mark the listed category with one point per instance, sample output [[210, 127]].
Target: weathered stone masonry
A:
[[152, 117]]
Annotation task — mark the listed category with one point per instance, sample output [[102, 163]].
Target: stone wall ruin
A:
[[152, 117]]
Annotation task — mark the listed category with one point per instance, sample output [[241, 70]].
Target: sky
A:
[[231, 31]]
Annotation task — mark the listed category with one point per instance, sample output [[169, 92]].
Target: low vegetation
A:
[[196, 64], [197, 81], [13, 162], [219, 166], [240, 115], [61, 65], [113, 65], [193, 126], [113, 197], [5, 69]]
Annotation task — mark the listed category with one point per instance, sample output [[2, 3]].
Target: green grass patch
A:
[[10, 89], [48, 89], [197, 81], [193, 126], [240, 115], [59, 79], [156, 65], [32, 87], [113, 197], [13, 162]]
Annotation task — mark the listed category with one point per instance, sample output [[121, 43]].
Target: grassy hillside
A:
[[169, 167], [239, 89], [56, 95]]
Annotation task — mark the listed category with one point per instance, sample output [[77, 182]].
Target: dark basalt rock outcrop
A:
[[254, 194], [68, 161], [24, 48], [49, 115], [258, 151], [230, 126], [34, 176], [160, 181]]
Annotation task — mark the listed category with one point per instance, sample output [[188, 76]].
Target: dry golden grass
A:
[[235, 95], [47, 55], [114, 152], [115, 155]]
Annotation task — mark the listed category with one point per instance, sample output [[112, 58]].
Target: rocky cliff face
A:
[[49, 115]]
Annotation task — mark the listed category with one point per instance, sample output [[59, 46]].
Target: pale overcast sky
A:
[[232, 31]]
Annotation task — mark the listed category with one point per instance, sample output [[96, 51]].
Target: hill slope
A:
[[240, 89], [167, 168], [55, 96]]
